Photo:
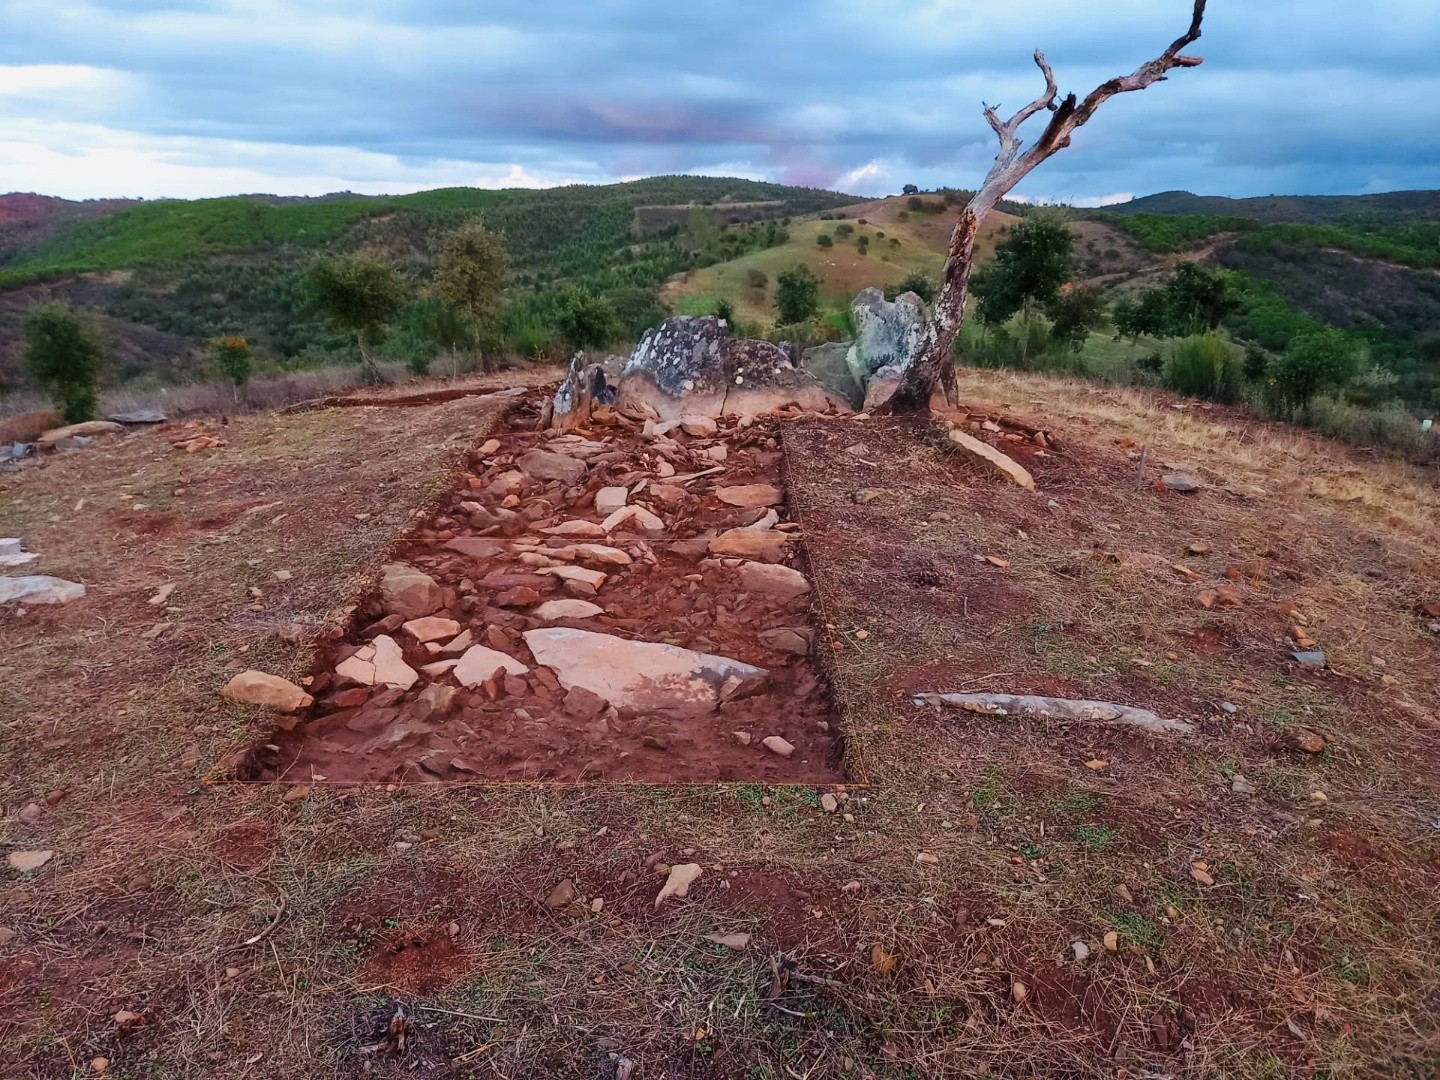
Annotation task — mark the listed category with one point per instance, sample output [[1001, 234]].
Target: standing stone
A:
[[584, 388], [889, 336], [680, 366]]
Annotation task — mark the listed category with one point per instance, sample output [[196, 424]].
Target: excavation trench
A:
[[557, 640]]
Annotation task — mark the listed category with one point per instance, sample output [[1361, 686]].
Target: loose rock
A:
[[270, 691], [409, 592]]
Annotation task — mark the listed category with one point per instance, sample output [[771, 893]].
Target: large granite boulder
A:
[[765, 377], [889, 336], [680, 366], [828, 364]]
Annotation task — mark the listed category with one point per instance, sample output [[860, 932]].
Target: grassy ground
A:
[[188, 927]]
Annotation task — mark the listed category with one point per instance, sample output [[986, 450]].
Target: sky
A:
[[194, 98]]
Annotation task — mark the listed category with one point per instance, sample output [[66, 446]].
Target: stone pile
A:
[[615, 600]]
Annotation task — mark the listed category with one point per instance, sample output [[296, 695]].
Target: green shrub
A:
[[586, 321], [1206, 367], [757, 279], [843, 231], [63, 354], [797, 294], [724, 310], [234, 358], [1321, 360], [824, 241], [922, 285], [1390, 426]]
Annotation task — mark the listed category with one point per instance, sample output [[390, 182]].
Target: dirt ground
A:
[[1005, 898]]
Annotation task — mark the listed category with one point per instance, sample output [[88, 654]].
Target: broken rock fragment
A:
[[270, 691], [773, 579], [408, 592], [636, 674], [39, 590], [431, 628], [480, 663], [381, 661]]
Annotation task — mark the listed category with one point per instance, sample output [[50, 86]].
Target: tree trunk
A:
[[936, 369]]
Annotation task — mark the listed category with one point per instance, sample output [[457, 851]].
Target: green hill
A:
[[190, 270]]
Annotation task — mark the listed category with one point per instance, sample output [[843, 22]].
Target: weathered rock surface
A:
[[381, 661], [432, 628], [480, 663], [773, 579], [39, 589], [28, 861], [637, 674], [787, 640], [1001, 463], [88, 430], [547, 465], [750, 496], [889, 336], [584, 387], [765, 377], [568, 609], [610, 499], [270, 691], [680, 366], [408, 592], [830, 367]]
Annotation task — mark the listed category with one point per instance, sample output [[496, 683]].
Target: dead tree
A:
[[936, 369]]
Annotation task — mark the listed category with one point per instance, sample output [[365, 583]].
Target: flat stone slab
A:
[[638, 674], [39, 589]]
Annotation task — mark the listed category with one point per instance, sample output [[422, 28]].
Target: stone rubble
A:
[[603, 599]]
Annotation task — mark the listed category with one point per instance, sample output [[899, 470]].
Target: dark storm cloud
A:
[[868, 93]]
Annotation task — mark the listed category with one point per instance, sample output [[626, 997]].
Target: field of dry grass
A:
[[1282, 925]]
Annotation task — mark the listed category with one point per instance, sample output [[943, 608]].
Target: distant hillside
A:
[[1304, 209], [180, 272], [27, 221]]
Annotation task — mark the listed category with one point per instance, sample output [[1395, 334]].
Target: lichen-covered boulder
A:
[[889, 336], [827, 363], [764, 377], [680, 366]]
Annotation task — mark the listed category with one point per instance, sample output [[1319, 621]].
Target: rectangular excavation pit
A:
[[575, 626]]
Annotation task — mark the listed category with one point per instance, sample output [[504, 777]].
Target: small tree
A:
[[1029, 267], [358, 294], [797, 294], [725, 311], [586, 321], [63, 354], [234, 359], [910, 189], [472, 274], [1324, 359], [1075, 312]]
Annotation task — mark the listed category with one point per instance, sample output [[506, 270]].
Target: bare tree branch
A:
[[936, 369]]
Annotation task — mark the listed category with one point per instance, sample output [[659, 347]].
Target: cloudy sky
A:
[[210, 97]]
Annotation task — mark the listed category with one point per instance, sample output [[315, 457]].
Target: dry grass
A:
[[160, 876]]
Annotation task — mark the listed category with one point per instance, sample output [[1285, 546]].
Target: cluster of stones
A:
[[689, 366], [588, 598]]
